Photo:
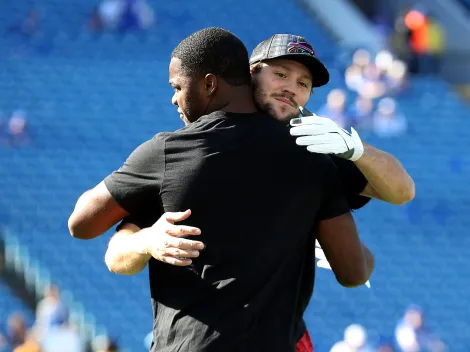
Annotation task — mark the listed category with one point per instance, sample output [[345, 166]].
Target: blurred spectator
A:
[[335, 107], [61, 334], [361, 58], [383, 60], [385, 345], [142, 13], [355, 340], [104, 344], [16, 330], [375, 78], [353, 77], [121, 16], [46, 309], [148, 340], [370, 77], [360, 114], [95, 22], [110, 347], [400, 36], [17, 130], [412, 335], [426, 42], [372, 85], [396, 77], [3, 342], [388, 122], [110, 12], [436, 45], [30, 344], [28, 26]]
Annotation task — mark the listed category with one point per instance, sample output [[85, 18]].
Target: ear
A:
[[256, 68], [211, 83]]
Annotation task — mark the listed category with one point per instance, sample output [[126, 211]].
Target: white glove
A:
[[323, 262], [322, 135]]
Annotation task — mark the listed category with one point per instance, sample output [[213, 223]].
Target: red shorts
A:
[[304, 344]]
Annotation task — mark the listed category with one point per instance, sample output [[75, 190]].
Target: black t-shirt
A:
[[256, 197], [353, 183]]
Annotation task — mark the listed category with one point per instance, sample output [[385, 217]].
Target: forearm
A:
[[364, 270], [386, 176], [369, 260], [126, 252]]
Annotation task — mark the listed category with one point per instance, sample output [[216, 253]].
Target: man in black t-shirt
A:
[[283, 63], [248, 186], [284, 70], [285, 67], [280, 67]]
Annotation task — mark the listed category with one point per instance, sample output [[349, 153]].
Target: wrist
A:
[[357, 155], [366, 157], [359, 148], [142, 242]]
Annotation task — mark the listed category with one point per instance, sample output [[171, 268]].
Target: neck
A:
[[241, 100]]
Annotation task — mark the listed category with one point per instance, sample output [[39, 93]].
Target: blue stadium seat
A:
[[92, 99]]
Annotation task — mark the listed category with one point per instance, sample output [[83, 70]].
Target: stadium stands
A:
[[10, 304], [90, 100]]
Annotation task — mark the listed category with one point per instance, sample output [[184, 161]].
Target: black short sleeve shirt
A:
[[256, 197]]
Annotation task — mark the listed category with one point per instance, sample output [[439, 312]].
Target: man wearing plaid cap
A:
[[284, 70]]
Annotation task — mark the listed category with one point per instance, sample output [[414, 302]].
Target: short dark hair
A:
[[217, 51]]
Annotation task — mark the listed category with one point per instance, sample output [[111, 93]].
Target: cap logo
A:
[[298, 45]]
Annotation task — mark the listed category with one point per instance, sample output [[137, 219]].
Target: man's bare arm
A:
[[124, 191], [95, 213], [132, 247], [387, 179], [126, 251], [351, 261]]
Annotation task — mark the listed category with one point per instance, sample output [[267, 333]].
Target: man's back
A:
[[241, 174], [256, 197]]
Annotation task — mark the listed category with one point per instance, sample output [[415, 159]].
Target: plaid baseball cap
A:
[[292, 47]]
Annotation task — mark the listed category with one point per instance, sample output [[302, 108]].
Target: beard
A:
[[185, 120], [262, 103]]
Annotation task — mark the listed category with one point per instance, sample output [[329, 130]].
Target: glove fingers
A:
[[323, 139], [321, 147], [342, 143], [310, 120], [324, 149], [308, 140], [312, 130]]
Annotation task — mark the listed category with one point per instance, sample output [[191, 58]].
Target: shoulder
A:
[[152, 146], [161, 137], [203, 123]]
